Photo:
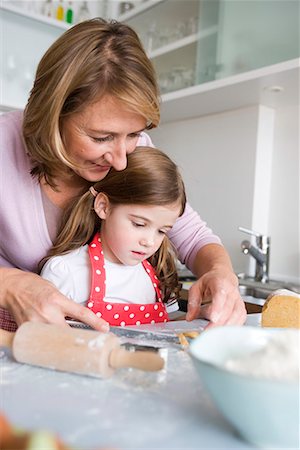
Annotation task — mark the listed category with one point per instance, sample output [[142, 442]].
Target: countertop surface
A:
[[169, 409]]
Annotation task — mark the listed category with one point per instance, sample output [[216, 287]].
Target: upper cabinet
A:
[[210, 55], [215, 55]]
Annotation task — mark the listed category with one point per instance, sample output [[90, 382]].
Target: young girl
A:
[[113, 253]]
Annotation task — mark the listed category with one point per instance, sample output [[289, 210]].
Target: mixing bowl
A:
[[263, 408]]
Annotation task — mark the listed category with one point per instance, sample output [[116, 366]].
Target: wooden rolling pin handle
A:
[[6, 338], [150, 361]]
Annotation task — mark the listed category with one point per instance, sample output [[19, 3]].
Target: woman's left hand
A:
[[220, 287]]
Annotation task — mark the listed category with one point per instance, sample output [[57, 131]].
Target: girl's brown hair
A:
[[150, 178], [92, 59]]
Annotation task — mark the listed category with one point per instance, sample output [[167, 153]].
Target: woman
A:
[[94, 94], [112, 253]]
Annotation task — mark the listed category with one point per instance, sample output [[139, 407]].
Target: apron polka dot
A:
[[90, 304], [142, 308], [147, 315], [131, 315], [108, 307], [126, 308], [161, 314], [122, 324], [96, 258], [98, 314], [155, 307], [116, 316], [152, 322], [93, 245], [138, 322], [98, 272], [97, 289]]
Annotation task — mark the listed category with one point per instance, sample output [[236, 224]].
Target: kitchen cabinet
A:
[[218, 55], [210, 55]]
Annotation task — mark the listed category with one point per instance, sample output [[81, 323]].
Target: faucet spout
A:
[[260, 252], [258, 255]]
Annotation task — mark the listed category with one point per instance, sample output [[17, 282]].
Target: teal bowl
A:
[[264, 411]]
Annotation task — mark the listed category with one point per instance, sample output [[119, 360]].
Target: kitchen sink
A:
[[253, 292], [250, 287]]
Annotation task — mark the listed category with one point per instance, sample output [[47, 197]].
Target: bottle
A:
[[84, 13], [60, 11], [69, 13], [47, 9]]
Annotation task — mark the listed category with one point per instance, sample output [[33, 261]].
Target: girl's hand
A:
[[221, 288], [28, 297]]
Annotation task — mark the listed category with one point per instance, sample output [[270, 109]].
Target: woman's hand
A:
[[221, 288], [218, 284], [28, 297]]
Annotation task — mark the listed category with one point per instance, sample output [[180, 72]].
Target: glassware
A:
[[125, 7], [151, 37], [47, 8], [84, 12]]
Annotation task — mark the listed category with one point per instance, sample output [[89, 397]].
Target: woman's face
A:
[[101, 137]]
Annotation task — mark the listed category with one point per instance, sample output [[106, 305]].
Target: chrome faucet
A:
[[261, 254]]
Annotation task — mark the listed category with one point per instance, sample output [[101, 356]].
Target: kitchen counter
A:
[[169, 409]]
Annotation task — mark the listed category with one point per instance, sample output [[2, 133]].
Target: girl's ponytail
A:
[[79, 223]]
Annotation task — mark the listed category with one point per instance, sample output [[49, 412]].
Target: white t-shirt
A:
[[72, 275]]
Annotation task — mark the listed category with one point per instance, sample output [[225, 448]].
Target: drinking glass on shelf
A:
[[151, 38], [84, 12], [124, 7], [191, 26], [47, 8]]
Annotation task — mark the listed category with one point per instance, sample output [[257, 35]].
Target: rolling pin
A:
[[75, 350]]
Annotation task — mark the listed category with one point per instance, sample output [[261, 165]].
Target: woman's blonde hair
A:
[[92, 59], [150, 178]]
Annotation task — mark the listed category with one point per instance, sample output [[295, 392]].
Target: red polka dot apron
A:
[[121, 314]]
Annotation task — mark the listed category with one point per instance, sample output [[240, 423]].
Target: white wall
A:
[[221, 156], [284, 206]]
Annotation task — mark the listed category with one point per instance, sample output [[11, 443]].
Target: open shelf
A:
[[272, 86], [34, 16], [187, 40], [261, 86], [139, 9]]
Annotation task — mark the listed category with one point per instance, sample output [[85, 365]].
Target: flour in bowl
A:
[[278, 359]]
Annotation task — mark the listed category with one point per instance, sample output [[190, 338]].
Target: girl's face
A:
[[132, 233], [101, 137]]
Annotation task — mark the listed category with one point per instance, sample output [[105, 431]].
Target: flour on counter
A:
[[278, 359]]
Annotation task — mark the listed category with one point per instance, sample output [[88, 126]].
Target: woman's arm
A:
[[216, 282], [202, 252], [30, 298]]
